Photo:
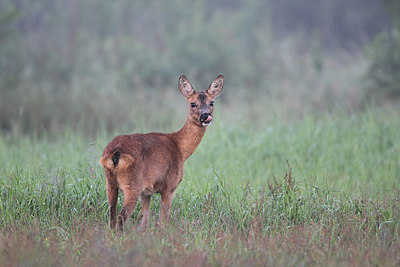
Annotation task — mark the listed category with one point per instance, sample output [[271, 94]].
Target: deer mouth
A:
[[206, 119]]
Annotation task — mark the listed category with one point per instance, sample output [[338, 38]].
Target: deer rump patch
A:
[[118, 162]]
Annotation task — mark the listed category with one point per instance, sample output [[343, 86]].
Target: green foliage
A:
[[11, 63], [95, 65], [384, 72], [392, 7]]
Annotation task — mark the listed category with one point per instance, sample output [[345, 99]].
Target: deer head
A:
[[201, 104]]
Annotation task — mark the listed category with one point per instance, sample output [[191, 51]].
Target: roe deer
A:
[[144, 164]]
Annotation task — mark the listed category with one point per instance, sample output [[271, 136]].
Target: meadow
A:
[[301, 166], [317, 190]]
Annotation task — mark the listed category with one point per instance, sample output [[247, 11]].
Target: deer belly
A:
[[148, 191], [151, 189]]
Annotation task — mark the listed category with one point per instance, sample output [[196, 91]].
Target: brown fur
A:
[[153, 163]]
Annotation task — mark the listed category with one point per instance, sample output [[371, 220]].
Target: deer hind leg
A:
[[112, 195], [131, 196], [120, 172], [145, 210]]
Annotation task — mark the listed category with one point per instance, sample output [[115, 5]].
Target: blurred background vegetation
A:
[[108, 65]]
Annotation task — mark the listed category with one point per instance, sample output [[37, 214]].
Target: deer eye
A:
[[193, 105], [212, 103]]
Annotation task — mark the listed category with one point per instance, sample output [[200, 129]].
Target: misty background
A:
[[98, 65]]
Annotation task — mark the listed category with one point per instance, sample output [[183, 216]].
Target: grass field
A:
[[317, 190], [301, 166]]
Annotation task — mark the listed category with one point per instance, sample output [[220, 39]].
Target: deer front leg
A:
[[166, 201], [145, 210]]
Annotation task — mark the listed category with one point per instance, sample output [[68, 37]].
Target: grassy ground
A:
[[320, 190]]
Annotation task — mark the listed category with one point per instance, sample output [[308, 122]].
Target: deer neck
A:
[[188, 138]]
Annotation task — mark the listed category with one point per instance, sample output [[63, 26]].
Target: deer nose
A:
[[205, 117]]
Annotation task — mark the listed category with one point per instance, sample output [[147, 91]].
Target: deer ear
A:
[[216, 86], [185, 87]]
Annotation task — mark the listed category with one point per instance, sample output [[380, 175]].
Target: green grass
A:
[[317, 190]]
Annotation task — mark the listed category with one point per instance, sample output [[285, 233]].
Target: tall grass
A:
[[309, 191]]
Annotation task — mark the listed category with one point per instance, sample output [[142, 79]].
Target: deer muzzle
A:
[[205, 119]]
